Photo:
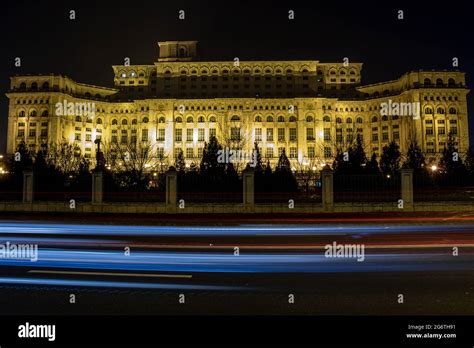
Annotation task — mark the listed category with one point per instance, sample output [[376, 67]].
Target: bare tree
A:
[[64, 156]]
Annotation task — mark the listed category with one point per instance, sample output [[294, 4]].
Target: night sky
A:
[[47, 41]]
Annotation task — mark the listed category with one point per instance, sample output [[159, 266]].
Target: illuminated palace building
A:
[[308, 108]]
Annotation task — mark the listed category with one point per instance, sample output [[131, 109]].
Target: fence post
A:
[[97, 187], [171, 188], [327, 182], [407, 188], [248, 178], [28, 186]]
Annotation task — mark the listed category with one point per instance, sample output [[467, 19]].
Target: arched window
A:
[[440, 110], [124, 122], [179, 120], [78, 119], [145, 120], [212, 119], [428, 111], [114, 122], [21, 114], [427, 82], [359, 120], [88, 95], [327, 118], [375, 119], [34, 86], [384, 118], [189, 119], [451, 82], [161, 120], [235, 118], [452, 111], [309, 119], [281, 119], [182, 52], [258, 119], [338, 120], [395, 117], [349, 120], [439, 83], [201, 119], [269, 119], [45, 113], [134, 121], [292, 119], [45, 85], [99, 121], [23, 85]]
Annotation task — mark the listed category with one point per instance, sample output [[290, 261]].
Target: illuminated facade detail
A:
[[307, 108]]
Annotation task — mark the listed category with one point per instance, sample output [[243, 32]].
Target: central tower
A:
[[177, 51]]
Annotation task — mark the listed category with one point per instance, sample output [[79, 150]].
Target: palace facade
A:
[[308, 108]]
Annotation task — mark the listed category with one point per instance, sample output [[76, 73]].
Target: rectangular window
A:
[[375, 137], [453, 130], [21, 132], [189, 152], [160, 151], [429, 131], [270, 152], [384, 136], [201, 134], [189, 134], [178, 134], [327, 134], [144, 134], [161, 134], [441, 130], [113, 139], [292, 134], [88, 136], [258, 134], [123, 139], [311, 153], [293, 152], [77, 137], [212, 132], [200, 152], [327, 152], [269, 134], [280, 151], [396, 135], [235, 134], [309, 133], [281, 134]]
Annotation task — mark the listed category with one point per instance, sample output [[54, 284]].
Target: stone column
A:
[[28, 186], [171, 188], [407, 188], [97, 187], [248, 179], [327, 182]]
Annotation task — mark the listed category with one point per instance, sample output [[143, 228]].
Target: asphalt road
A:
[[242, 268]]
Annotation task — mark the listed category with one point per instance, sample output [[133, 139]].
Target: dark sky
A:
[[103, 33]]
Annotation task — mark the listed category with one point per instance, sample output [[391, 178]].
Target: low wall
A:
[[156, 208]]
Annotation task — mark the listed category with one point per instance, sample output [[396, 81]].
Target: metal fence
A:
[[435, 187], [366, 188], [196, 188]]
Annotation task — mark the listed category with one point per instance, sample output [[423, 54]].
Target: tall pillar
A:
[[28, 186], [407, 188], [248, 178], [97, 187], [327, 182], [171, 188]]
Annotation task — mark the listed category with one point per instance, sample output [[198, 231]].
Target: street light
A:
[[434, 168]]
